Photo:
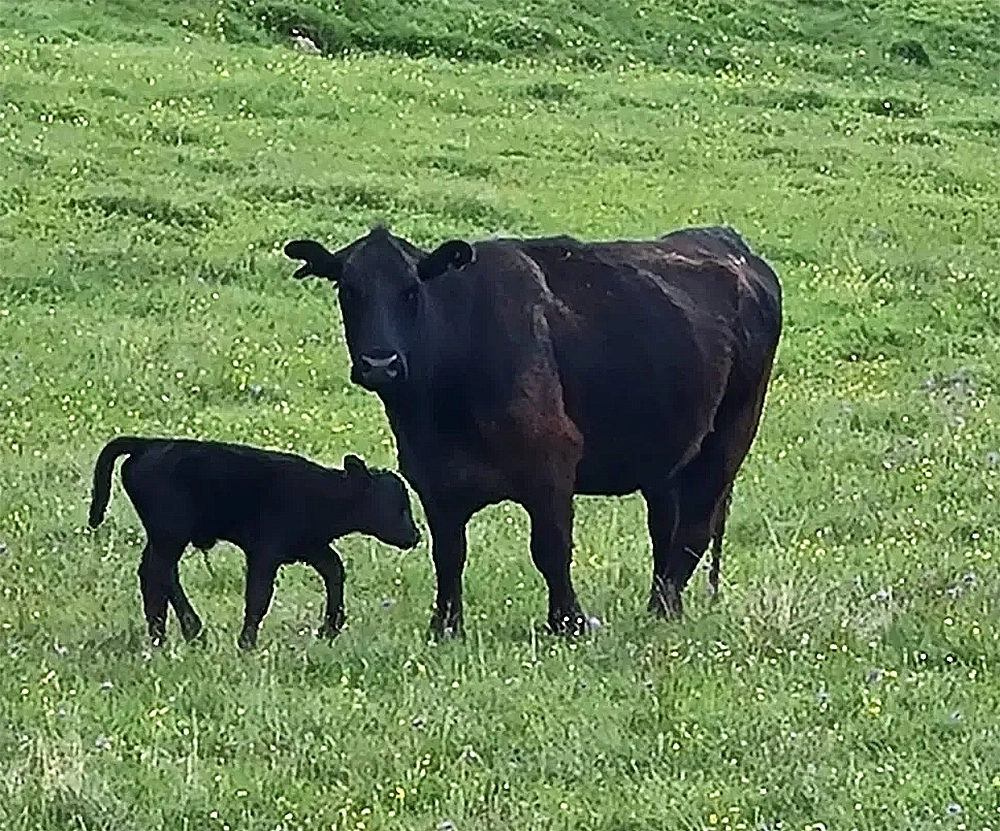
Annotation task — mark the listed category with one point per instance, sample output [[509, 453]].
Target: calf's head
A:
[[383, 508], [381, 282]]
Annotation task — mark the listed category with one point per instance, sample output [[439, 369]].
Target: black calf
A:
[[277, 507]]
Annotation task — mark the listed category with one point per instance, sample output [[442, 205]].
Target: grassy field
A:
[[155, 157]]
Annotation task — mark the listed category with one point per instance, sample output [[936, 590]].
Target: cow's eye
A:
[[410, 295]]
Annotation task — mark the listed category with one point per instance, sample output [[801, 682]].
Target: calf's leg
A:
[[330, 567], [190, 622], [156, 583], [262, 570]]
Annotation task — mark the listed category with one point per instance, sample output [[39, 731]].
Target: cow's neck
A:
[[441, 362], [440, 403], [434, 414]]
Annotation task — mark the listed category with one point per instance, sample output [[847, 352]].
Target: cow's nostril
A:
[[380, 363]]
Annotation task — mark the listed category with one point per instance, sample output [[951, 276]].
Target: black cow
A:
[[533, 369], [278, 507]]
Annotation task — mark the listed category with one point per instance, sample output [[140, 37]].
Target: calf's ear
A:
[[319, 261], [355, 466], [455, 253]]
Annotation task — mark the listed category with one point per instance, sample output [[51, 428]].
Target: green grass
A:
[[152, 168]]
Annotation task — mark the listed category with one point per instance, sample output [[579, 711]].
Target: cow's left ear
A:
[[455, 253]]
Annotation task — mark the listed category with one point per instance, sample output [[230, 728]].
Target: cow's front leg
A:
[[448, 551], [551, 513]]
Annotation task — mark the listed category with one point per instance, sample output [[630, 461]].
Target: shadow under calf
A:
[[277, 507]]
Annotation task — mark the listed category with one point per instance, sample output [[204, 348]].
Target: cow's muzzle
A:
[[375, 371]]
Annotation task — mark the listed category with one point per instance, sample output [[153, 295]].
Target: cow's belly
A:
[[624, 466], [601, 477], [639, 433]]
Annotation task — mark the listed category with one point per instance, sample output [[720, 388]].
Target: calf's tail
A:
[[121, 446]]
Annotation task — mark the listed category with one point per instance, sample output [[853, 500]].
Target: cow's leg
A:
[[703, 489], [155, 583], [552, 447], [697, 507], [551, 516], [330, 567], [662, 517], [262, 570], [448, 551], [190, 622]]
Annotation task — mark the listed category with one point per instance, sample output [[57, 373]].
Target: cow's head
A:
[[381, 281]]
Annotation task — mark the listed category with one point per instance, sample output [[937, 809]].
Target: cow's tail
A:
[[121, 446], [717, 533]]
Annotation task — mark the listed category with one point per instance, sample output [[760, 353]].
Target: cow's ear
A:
[[319, 261], [355, 466], [455, 253]]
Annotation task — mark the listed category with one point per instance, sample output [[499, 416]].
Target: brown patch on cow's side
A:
[[547, 441], [534, 441]]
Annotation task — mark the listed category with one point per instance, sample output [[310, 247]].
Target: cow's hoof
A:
[[569, 622], [446, 630], [447, 622], [665, 601]]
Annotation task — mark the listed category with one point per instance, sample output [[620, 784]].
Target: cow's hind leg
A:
[[722, 513], [702, 492], [696, 511], [663, 515], [159, 558]]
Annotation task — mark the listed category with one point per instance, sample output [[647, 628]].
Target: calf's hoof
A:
[[329, 629], [569, 622], [247, 640], [665, 600], [191, 628], [157, 636]]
